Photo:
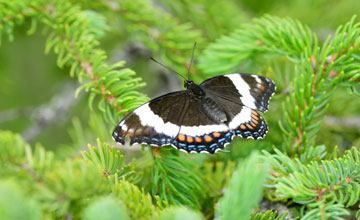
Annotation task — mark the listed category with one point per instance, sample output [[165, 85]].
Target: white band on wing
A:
[[243, 89]]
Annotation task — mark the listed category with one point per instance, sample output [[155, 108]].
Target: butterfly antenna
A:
[[192, 57], [168, 68]]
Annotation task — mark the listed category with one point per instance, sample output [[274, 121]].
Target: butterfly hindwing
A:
[[248, 123], [200, 130]]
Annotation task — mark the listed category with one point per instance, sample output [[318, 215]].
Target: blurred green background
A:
[[32, 82]]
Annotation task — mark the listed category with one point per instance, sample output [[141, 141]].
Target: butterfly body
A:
[[204, 117]]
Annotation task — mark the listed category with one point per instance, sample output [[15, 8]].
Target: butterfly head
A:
[[194, 89]]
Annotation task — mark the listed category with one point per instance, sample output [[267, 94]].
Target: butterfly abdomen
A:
[[213, 110]]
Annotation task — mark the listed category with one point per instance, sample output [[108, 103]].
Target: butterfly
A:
[[204, 117]]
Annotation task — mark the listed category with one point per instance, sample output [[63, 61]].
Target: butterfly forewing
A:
[[155, 123], [250, 90]]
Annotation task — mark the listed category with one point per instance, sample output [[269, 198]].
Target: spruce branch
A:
[[333, 211], [313, 154], [138, 203], [328, 185], [244, 195], [168, 168], [217, 175], [204, 15], [62, 187], [68, 187], [268, 35], [17, 155], [12, 148], [171, 40], [108, 159], [73, 36], [269, 215], [76, 47], [111, 162], [14, 13]]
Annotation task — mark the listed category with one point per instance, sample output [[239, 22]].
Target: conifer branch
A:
[[269, 215], [207, 17], [319, 69], [138, 203], [254, 170], [323, 185], [167, 169], [111, 162], [73, 38], [172, 41]]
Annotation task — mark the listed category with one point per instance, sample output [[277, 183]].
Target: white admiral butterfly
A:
[[204, 117]]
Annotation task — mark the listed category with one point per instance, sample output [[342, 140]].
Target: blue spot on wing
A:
[[210, 146]]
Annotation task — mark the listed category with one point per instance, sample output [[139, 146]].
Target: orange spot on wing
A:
[[243, 126], [181, 137], [190, 139], [217, 134], [262, 87], [252, 124], [198, 140], [254, 112], [254, 121], [255, 117], [250, 127], [208, 139]]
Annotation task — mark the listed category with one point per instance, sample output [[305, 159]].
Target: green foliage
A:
[[204, 14], [160, 31], [247, 181], [167, 169], [178, 213], [313, 180], [132, 197], [319, 69], [268, 215], [74, 38], [111, 162], [12, 146], [217, 175], [106, 208], [332, 211], [108, 159], [328, 186], [18, 206]]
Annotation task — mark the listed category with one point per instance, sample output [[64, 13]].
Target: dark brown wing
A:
[[250, 90], [155, 123]]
